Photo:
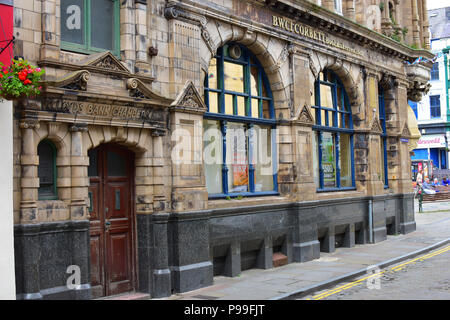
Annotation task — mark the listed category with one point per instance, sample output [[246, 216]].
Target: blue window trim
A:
[[249, 121], [333, 128], [435, 107], [435, 72], [382, 117]]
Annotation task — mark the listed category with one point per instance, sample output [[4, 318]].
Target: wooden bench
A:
[[442, 195]]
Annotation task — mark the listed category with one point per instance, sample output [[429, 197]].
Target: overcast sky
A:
[[434, 4]]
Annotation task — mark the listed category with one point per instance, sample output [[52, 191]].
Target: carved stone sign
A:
[[104, 110]]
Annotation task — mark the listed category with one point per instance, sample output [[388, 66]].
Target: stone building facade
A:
[[110, 177]]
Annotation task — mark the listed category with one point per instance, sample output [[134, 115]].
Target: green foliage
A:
[[382, 6], [20, 79]]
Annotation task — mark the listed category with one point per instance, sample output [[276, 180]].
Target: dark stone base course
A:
[[43, 252], [180, 252]]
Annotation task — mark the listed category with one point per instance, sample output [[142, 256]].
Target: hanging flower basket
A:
[[20, 80]]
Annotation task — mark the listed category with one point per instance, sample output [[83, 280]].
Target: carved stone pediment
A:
[[375, 126], [189, 100], [74, 81], [304, 116], [105, 60], [405, 130], [139, 89]]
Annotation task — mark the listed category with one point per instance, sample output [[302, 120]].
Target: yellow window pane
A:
[[254, 81], [228, 104], [233, 77], [322, 115], [241, 106], [326, 98], [213, 102], [345, 160], [313, 98], [255, 108], [266, 109], [321, 76], [212, 74]]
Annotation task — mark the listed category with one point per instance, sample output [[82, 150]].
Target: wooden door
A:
[[111, 222]]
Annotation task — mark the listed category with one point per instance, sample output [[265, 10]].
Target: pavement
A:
[[297, 279]]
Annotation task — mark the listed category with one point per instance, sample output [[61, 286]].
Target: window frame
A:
[[55, 172], [247, 120], [435, 72], [435, 107], [86, 48], [336, 131], [383, 136]]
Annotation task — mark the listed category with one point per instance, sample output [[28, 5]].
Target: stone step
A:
[[128, 296]]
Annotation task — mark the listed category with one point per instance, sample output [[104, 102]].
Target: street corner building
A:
[[175, 141]]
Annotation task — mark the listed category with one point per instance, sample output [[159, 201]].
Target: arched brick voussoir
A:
[[57, 134], [259, 46], [225, 32]]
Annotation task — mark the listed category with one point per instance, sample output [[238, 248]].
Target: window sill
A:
[[336, 189], [325, 194], [246, 202]]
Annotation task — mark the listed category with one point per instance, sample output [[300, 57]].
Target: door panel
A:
[[112, 259]]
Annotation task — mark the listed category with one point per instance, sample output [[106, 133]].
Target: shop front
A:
[[432, 147]]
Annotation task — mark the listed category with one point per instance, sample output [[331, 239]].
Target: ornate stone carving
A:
[[79, 127], [138, 89], [74, 81], [284, 55], [189, 100], [417, 90], [375, 127], [304, 116], [105, 60], [29, 124], [405, 131], [175, 12]]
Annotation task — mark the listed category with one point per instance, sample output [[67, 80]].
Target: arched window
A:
[[383, 138], [239, 137], [333, 138], [47, 170]]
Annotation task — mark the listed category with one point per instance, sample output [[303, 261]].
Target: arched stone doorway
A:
[[112, 220]]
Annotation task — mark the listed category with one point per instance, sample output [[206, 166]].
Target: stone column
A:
[[415, 24], [51, 35], [350, 11], [128, 33], [29, 182], [80, 180], [426, 26], [374, 179], [142, 66], [159, 196], [328, 4]]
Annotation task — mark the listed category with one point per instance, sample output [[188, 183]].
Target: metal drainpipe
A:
[[370, 221]]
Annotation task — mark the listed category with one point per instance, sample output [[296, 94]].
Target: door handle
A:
[[107, 225]]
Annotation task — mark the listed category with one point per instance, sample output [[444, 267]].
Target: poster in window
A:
[[328, 160], [239, 162]]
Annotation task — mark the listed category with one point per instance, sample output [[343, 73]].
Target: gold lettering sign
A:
[[309, 32]]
